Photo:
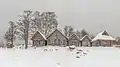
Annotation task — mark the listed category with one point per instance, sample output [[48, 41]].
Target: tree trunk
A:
[[100, 42], [11, 45], [12, 34], [110, 43], [26, 40], [26, 35]]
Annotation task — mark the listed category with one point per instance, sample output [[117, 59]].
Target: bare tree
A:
[[36, 22], [92, 36], [83, 33], [68, 31], [24, 23], [118, 40], [46, 22], [9, 35], [78, 33]]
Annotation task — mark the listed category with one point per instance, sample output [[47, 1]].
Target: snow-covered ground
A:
[[60, 57]]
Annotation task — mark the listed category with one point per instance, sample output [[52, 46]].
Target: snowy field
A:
[[60, 57]]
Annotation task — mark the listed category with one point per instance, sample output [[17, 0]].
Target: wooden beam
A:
[[110, 43], [99, 42]]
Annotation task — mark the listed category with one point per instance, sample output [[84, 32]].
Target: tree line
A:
[[29, 22]]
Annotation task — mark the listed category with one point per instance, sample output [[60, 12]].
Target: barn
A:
[[103, 39], [86, 41], [74, 40], [38, 39], [56, 38]]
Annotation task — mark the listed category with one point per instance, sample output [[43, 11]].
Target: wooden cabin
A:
[[57, 39], [103, 39], [38, 39], [74, 40], [86, 41]]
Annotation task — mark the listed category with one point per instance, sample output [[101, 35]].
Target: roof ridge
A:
[[103, 37], [59, 32], [40, 34], [75, 35], [86, 36]]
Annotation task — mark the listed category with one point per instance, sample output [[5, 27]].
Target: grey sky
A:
[[93, 15]]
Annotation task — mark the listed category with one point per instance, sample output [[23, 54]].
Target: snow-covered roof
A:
[[74, 35], [102, 36], [86, 36], [57, 31], [43, 35], [40, 34]]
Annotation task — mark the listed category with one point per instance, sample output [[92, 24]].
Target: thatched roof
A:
[[103, 36]]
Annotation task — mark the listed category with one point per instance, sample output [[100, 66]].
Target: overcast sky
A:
[[92, 15]]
